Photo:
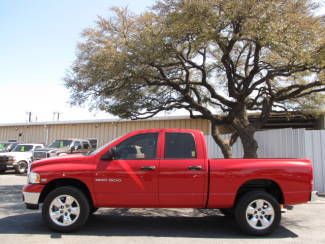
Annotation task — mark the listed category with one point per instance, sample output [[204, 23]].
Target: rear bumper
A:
[[313, 196]]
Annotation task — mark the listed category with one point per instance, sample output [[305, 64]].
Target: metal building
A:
[[106, 130], [102, 130]]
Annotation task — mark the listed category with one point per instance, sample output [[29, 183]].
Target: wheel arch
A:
[[67, 182], [268, 185], [22, 160]]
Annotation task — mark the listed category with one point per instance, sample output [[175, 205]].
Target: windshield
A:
[[102, 147], [23, 148], [3, 146], [60, 143]]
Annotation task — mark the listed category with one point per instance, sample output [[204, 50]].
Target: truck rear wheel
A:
[[65, 209], [258, 213]]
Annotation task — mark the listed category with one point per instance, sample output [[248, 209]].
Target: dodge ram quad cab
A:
[[166, 168]]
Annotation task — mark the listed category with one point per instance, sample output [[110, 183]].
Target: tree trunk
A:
[[246, 132], [224, 146], [250, 145]]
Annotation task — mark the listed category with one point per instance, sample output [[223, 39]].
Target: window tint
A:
[[60, 143], [142, 146], [23, 148], [77, 144], [93, 143], [179, 145], [85, 145]]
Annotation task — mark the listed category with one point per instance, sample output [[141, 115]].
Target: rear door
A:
[[183, 172]]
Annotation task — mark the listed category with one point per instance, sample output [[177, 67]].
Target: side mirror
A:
[[109, 155]]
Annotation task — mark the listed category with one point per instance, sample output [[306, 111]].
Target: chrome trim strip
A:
[[31, 197]]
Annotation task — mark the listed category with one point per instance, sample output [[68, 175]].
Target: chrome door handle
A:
[[147, 168], [195, 167]]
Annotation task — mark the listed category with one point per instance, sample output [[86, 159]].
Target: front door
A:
[[130, 180]]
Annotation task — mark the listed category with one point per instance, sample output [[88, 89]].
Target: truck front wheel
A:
[[258, 213], [21, 167], [65, 209]]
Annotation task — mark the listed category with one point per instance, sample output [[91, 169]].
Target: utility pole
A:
[[29, 114], [56, 115]]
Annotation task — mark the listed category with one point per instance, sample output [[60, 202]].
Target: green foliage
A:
[[208, 57]]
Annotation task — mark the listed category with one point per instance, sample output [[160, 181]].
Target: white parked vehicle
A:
[[19, 158]]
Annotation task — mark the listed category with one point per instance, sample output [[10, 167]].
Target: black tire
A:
[[2, 171], [228, 212], [79, 196], [93, 210], [240, 213], [21, 167]]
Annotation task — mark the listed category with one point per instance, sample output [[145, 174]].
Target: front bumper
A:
[[31, 199], [3, 167], [31, 195], [7, 165]]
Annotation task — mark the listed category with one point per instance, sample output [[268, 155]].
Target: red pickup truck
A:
[[166, 168]]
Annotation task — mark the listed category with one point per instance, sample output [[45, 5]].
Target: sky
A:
[[38, 42], [37, 46]]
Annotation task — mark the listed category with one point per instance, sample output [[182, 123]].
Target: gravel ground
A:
[[304, 224]]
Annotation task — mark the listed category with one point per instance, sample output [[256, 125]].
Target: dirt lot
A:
[[304, 224]]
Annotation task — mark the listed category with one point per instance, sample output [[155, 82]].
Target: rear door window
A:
[[85, 145], [179, 145]]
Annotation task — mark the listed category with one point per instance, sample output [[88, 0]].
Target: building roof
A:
[[179, 117], [276, 120]]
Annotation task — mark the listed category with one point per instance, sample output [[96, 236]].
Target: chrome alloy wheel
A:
[[22, 167], [260, 214], [64, 210]]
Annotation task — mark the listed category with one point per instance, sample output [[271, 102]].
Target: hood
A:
[[4, 153], [47, 149], [18, 155], [68, 162]]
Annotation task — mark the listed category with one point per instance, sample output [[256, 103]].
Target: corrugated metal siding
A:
[[285, 143], [103, 131], [315, 150]]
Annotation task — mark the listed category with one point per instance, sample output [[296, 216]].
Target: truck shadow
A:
[[192, 223], [171, 223], [111, 225]]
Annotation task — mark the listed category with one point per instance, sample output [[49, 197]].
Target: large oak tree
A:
[[217, 59]]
